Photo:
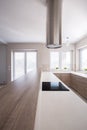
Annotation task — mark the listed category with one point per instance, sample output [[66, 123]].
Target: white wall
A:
[[43, 54], [82, 43], [3, 73]]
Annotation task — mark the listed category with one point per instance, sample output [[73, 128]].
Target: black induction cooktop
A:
[[53, 86]]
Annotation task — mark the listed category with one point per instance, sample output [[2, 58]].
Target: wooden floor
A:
[[18, 102]]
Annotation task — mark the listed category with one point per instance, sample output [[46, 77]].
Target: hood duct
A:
[[54, 11]]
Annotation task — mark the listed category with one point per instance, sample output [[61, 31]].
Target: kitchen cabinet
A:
[[74, 81], [65, 77], [79, 83]]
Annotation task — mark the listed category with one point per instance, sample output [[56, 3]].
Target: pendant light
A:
[[54, 8]]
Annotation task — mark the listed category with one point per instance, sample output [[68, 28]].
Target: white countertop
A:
[[84, 75], [59, 110]]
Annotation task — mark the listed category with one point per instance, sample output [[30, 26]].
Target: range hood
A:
[[54, 11]]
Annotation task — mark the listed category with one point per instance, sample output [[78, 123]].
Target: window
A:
[[54, 60], [31, 61], [61, 60], [66, 60], [23, 62], [19, 59], [83, 59]]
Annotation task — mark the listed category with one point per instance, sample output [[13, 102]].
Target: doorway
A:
[[22, 63]]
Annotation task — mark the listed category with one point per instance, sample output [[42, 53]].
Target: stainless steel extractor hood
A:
[[54, 11]]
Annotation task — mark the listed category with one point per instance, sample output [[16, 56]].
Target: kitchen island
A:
[[59, 110]]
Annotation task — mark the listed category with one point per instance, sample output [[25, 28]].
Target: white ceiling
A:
[[25, 21]]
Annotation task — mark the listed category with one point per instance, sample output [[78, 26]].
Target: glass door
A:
[[19, 64], [31, 61], [23, 62]]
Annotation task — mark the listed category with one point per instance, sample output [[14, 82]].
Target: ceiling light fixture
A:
[[54, 10]]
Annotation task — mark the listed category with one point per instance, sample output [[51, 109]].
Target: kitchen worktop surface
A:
[[18, 101], [59, 110]]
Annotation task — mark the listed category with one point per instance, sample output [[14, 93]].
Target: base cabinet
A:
[[79, 84], [76, 82], [65, 77]]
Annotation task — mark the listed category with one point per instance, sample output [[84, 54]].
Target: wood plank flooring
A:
[[18, 102]]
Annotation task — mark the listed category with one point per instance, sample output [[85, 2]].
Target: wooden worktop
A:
[[18, 102]]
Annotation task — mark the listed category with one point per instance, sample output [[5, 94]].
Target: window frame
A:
[[25, 61], [50, 59], [60, 59], [71, 61], [80, 50]]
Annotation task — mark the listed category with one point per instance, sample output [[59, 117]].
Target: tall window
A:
[[83, 59], [31, 61], [23, 62], [61, 60], [54, 60], [66, 60], [19, 59]]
